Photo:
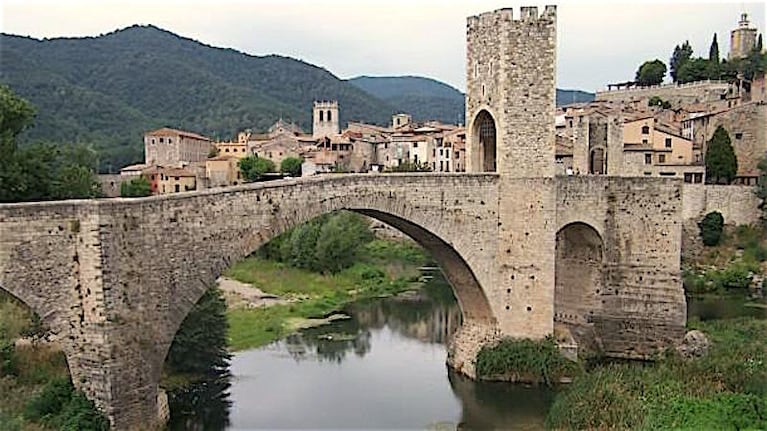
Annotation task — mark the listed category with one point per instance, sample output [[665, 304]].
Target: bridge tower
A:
[[510, 109]]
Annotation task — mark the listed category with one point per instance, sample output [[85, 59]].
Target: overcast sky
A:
[[598, 42]]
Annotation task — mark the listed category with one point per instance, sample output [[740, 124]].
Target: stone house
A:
[[173, 147], [223, 171]]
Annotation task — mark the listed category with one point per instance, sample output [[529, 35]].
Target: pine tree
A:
[[713, 52], [679, 57], [721, 162]]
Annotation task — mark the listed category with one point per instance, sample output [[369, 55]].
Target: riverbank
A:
[[384, 268], [726, 389]]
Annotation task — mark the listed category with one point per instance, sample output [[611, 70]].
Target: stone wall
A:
[[694, 92], [738, 204], [641, 307], [511, 69]]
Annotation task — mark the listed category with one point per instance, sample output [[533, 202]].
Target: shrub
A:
[[291, 166], [136, 188], [6, 354], [711, 228], [60, 406], [530, 359]]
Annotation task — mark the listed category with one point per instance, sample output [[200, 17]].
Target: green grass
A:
[[727, 389], [319, 295]]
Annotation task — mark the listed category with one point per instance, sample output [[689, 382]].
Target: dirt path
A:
[[243, 295]]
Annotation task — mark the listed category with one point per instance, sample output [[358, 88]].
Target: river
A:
[[383, 368]]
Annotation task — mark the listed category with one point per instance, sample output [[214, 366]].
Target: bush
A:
[[136, 188], [711, 228], [291, 166], [254, 167], [60, 406], [6, 354], [524, 360]]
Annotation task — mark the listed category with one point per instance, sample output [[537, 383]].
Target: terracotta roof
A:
[[168, 131]]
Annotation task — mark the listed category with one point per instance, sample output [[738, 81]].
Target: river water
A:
[[383, 368]]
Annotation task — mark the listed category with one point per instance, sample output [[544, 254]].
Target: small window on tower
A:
[[668, 142], [330, 116], [738, 136]]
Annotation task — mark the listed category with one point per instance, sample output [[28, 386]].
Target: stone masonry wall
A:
[[511, 66], [115, 278], [642, 308], [738, 204]]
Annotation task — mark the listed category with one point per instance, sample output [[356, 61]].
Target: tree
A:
[[291, 166], [721, 162], [711, 228], [199, 347], [713, 51], [650, 73], [695, 69], [680, 56], [759, 43], [136, 188], [253, 168]]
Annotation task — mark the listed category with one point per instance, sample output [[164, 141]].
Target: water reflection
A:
[[430, 315], [202, 406], [712, 308], [384, 368]]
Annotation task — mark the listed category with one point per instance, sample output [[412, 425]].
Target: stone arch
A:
[[579, 282], [474, 304], [484, 137]]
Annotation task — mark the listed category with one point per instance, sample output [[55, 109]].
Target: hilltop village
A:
[[628, 130]]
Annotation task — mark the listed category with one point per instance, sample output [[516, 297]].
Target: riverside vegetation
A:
[[319, 267]]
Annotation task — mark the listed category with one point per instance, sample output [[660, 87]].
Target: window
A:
[[668, 174], [441, 165], [644, 141], [153, 140], [447, 166], [457, 155], [647, 174], [688, 177], [415, 144], [178, 188], [738, 136], [434, 152], [176, 178], [668, 142], [161, 140], [170, 140], [571, 124], [440, 152], [398, 121], [226, 150], [645, 130], [322, 115], [648, 159], [330, 116], [661, 158], [447, 154]]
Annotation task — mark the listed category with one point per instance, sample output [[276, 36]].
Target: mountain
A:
[[423, 98], [108, 90], [429, 99], [566, 97]]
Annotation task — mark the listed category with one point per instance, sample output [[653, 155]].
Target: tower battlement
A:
[[527, 14]]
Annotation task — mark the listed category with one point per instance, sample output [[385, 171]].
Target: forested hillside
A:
[[108, 90]]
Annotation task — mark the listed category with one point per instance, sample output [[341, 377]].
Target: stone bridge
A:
[[115, 278], [593, 260]]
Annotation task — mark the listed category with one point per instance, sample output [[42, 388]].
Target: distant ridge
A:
[[429, 99]]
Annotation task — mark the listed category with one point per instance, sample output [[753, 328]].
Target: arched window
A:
[[484, 133], [322, 118], [330, 116], [645, 130]]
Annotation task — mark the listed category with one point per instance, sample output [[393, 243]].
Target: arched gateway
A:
[[116, 277]]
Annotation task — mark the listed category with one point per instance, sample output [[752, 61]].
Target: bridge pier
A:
[[466, 343]]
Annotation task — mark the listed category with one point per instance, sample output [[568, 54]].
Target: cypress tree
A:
[[721, 162], [759, 43], [713, 52]]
